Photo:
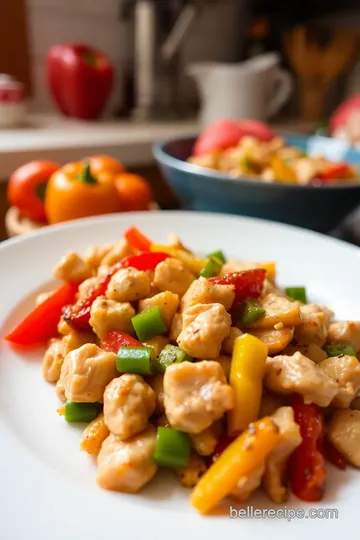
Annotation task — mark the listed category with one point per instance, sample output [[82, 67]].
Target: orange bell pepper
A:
[[74, 192], [101, 163]]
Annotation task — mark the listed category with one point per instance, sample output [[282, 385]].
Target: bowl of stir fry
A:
[[311, 182]]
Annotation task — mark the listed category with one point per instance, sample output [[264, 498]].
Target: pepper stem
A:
[[86, 175]]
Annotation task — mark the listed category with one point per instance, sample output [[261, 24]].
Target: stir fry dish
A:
[[201, 365], [274, 161]]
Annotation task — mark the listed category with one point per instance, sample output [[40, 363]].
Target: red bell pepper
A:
[[307, 464], [41, 324], [222, 444], [248, 284], [116, 339], [137, 240], [80, 79], [78, 315], [337, 171], [333, 455]]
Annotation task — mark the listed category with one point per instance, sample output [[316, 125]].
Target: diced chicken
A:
[[86, 372], [86, 286], [271, 402], [72, 268], [162, 421], [238, 266], [102, 271], [228, 343], [128, 285], [52, 362], [95, 254], [275, 470], [209, 160], [192, 473], [42, 297], [312, 351], [106, 315], [345, 370], [296, 373], [172, 275], [225, 362], [117, 253], [73, 340], [248, 484], [344, 433], [205, 442], [345, 332], [275, 340], [202, 291], [355, 404], [270, 287], [60, 389], [195, 395], [175, 242], [127, 465], [278, 309], [306, 169], [128, 404], [157, 384], [205, 326], [176, 327], [314, 325], [166, 301]]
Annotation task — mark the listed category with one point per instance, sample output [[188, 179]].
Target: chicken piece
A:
[[128, 285], [296, 373], [128, 404], [345, 332], [73, 340], [195, 395], [86, 286], [248, 484], [176, 327], [172, 275], [95, 254], [157, 384], [86, 372], [274, 479], [42, 297], [305, 169], [162, 421], [270, 287], [275, 340], [312, 351], [205, 326], [225, 362], [344, 433], [314, 325], [175, 242], [106, 315], [94, 435], [202, 291], [166, 301], [278, 309], [271, 402], [228, 343], [268, 175], [345, 370], [239, 266], [72, 268], [191, 474], [355, 404], [209, 160], [102, 271], [52, 362], [127, 465], [60, 389], [204, 443], [117, 253]]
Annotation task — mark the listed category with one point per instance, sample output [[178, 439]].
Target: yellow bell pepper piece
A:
[[240, 459], [193, 263], [157, 343], [270, 268], [283, 172], [94, 435], [246, 378]]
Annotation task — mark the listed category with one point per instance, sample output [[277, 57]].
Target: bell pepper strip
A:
[[193, 263], [333, 455], [170, 355], [243, 456], [211, 268], [116, 339], [247, 371], [41, 324], [135, 360], [80, 412], [337, 171], [296, 293], [307, 464], [137, 240], [283, 171], [248, 284], [219, 255], [172, 448], [336, 349], [148, 324], [249, 311], [78, 315]]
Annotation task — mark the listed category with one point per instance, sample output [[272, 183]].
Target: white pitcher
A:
[[255, 89]]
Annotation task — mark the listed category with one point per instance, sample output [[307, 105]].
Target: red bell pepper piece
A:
[[333, 455], [41, 324], [78, 315], [337, 171], [307, 464], [116, 339], [248, 284], [137, 240], [222, 444], [80, 79]]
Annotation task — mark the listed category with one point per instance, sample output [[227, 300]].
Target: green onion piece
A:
[[219, 255], [338, 349], [172, 448], [250, 311], [80, 412], [296, 293], [148, 324], [211, 268], [170, 355], [135, 360]]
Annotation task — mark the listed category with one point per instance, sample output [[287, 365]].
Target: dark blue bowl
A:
[[318, 208]]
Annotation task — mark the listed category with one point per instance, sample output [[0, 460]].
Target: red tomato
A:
[[27, 186], [134, 191], [259, 130], [221, 135]]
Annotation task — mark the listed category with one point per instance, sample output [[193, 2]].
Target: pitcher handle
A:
[[284, 86]]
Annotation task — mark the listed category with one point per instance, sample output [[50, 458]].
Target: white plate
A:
[[47, 487]]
